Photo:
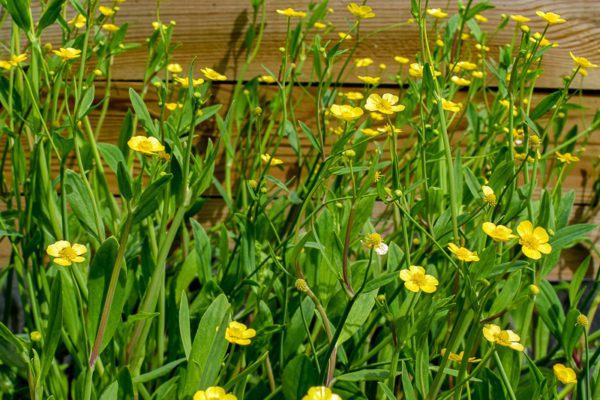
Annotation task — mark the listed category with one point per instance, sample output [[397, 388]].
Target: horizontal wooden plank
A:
[[214, 32], [219, 34]]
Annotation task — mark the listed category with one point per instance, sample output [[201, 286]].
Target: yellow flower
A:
[[68, 54], [520, 19], [477, 74], [110, 27], [319, 25], [385, 105], [361, 12], [370, 80], [415, 70], [482, 47], [353, 95], [507, 338], [370, 132], [213, 75], [499, 233], [466, 65], [274, 161], [16, 59], [213, 393], [238, 333], [451, 106], [462, 253], [173, 106], [185, 82], [458, 357], [566, 158], [344, 36], [480, 18], [460, 81], [582, 61], [5, 65], [174, 68], [534, 241], [437, 13], [564, 374], [375, 241], [321, 393], [290, 12], [550, 17], [488, 195], [66, 254], [79, 21], [401, 60], [266, 79], [145, 145], [346, 112], [416, 280], [388, 130], [106, 11], [363, 62]]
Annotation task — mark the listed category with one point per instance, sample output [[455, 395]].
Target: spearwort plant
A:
[[402, 251]]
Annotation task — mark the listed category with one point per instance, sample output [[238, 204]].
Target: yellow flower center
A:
[[68, 253], [373, 240], [529, 241]]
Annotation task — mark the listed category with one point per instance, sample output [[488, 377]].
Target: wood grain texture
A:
[[213, 30]]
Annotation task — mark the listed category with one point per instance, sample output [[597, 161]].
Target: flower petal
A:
[[412, 286], [531, 253], [525, 227], [79, 249], [62, 261], [541, 234]]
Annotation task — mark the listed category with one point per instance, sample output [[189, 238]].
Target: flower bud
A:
[[301, 285], [534, 290], [349, 153], [583, 321], [35, 336]]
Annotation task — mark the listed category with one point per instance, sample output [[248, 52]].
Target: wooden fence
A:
[[212, 32]]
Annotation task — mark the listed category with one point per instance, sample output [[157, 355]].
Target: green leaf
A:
[[576, 280], [208, 349], [86, 103], [111, 392], [203, 250], [124, 181], [150, 198], [19, 10], [387, 391], [358, 315], [81, 203], [298, 376], [546, 104], [311, 137], [142, 112], [550, 308], [52, 333], [407, 387], [365, 375], [184, 325], [100, 272], [50, 15], [568, 235], [112, 155]]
